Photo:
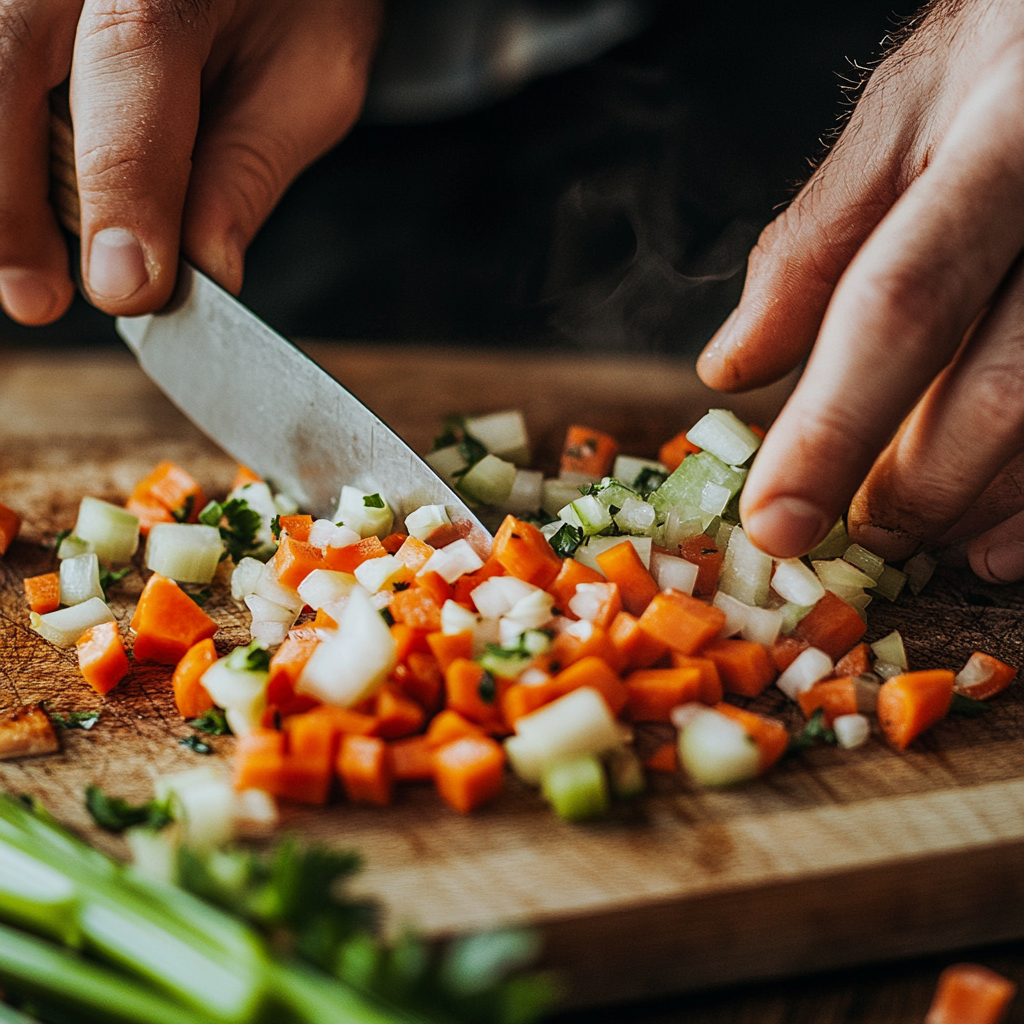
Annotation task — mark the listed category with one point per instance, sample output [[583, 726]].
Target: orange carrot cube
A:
[[588, 452], [469, 772], [912, 702], [101, 657], [190, 695], [622, 565], [744, 666], [673, 451], [365, 769], [43, 593], [654, 692], [10, 524], [167, 622], [681, 622]]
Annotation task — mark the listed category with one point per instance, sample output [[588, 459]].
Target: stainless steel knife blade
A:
[[274, 409]]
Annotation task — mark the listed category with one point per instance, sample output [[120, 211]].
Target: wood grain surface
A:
[[836, 858]]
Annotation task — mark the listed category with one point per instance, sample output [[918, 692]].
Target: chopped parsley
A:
[[508, 661], [648, 480], [201, 596], [254, 658], [275, 528], [813, 733], [487, 688], [60, 538], [238, 524], [183, 514], [385, 614], [115, 815], [454, 433], [196, 743], [212, 722], [373, 501], [108, 577], [74, 719], [566, 540], [966, 706]]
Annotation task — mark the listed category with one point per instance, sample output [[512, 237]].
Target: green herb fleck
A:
[[966, 706], [201, 596], [566, 540], [115, 815], [108, 577], [401, 586], [648, 480], [813, 733], [487, 688], [212, 722], [74, 719], [60, 538], [196, 743], [183, 514], [373, 501], [254, 658], [452, 432], [275, 528], [385, 614], [238, 524]]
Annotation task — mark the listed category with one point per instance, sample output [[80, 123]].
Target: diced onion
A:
[[735, 613], [489, 482], [890, 648], [851, 730], [746, 570], [113, 532], [366, 520], [716, 751], [80, 579], [269, 587], [65, 627], [184, 552], [456, 619], [670, 571], [720, 432], [794, 582], [326, 586], [422, 522], [324, 534], [504, 434], [452, 561], [762, 625], [244, 578], [808, 667]]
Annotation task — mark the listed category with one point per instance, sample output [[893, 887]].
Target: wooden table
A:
[[836, 859]]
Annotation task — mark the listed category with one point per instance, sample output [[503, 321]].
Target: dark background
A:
[[609, 207]]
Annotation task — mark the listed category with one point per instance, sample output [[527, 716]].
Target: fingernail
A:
[[1005, 562], [26, 296], [890, 544], [787, 527], [117, 266]]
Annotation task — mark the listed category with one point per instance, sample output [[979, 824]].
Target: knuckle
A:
[[136, 23], [105, 168], [997, 396], [259, 175]]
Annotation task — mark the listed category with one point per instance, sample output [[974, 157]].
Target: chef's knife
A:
[[260, 398]]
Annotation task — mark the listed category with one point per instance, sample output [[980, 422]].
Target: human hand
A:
[[899, 268], [191, 118]]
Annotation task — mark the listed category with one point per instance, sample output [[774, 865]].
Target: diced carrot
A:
[[525, 553], [769, 734], [43, 593], [673, 451], [297, 527], [855, 662], [190, 695], [474, 693], [588, 452], [435, 585], [910, 703], [340, 721], [760, 431], [414, 553], [393, 542], [304, 779], [466, 584], [569, 577], [101, 657], [10, 524], [654, 692], [835, 697], [743, 665], [622, 565], [469, 772], [350, 557], [424, 681], [450, 725], [324, 620], [447, 647], [597, 674], [365, 769], [681, 622], [312, 735], [412, 759], [259, 760], [594, 642], [786, 650], [416, 607], [167, 622], [664, 759], [295, 560], [404, 636], [637, 648], [970, 994], [602, 605], [519, 700], [245, 476], [397, 714], [286, 665], [983, 676], [147, 510], [703, 552], [710, 681], [831, 625], [175, 489]]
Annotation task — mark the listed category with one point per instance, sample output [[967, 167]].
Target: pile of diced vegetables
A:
[[623, 591]]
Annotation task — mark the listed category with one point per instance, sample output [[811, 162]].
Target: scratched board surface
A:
[[837, 857]]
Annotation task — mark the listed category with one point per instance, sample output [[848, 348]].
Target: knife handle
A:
[[63, 177]]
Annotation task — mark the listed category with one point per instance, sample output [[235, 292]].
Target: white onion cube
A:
[[80, 579], [851, 730], [807, 668], [672, 571], [794, 582]]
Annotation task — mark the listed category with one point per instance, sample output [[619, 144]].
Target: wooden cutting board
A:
[[836, 858]]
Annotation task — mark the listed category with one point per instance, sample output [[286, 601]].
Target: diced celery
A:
[[887, 669], [185, 552], [746, 570], [588, 514], [72, 546], [791, 615], [635, 516], [834, 545], [919, 570], [489, 482], [840, 573], [576, 789], [526, 494], [890, 648], [720, 432], [684, 488], [64, 627], [556, 494], [368, 514], [80, 579], [447, 463], [503, 434], [890, 583], [113, 532], [613, 492], [716, 751], [628, 468], [867, 561]]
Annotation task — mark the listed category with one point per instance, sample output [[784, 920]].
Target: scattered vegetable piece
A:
[[26, 732], [970, 994], [101, 657]]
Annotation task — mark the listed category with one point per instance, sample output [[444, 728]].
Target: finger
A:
[[272, 123], [998, 555], [35, 55], [896, 319], [135, 87], [967, 427]]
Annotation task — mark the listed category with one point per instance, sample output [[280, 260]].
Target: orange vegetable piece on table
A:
[[467, 583], [305, 779], [835, 697], [519, 700], [295, 560], [397, 714], [769, 734], [786, 650], [832, 626], [450, 725], [365, 769], [190, 695], [468, 772], [414, 553], [297, 527], [912, 702], [654, 692], [448, 647], [664, 759], [982, 677], [474, 693], [636, 648], [681, 622], [350, 557], [623, 566], [412, 759], [703, 553], [167, 622], [175, 489], [856, 662], [597, 674], [970, 994], [588, 452], [148, 510], [424, 681], [584, 640], [416, 607], [744, 666], [710, 681], [101, 657], [393, 542], [572, 573], [525, 553], [245, 476], [10, 524], [259, 760], [323, 620], [673, 451], [43, 593], [434, 584]]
